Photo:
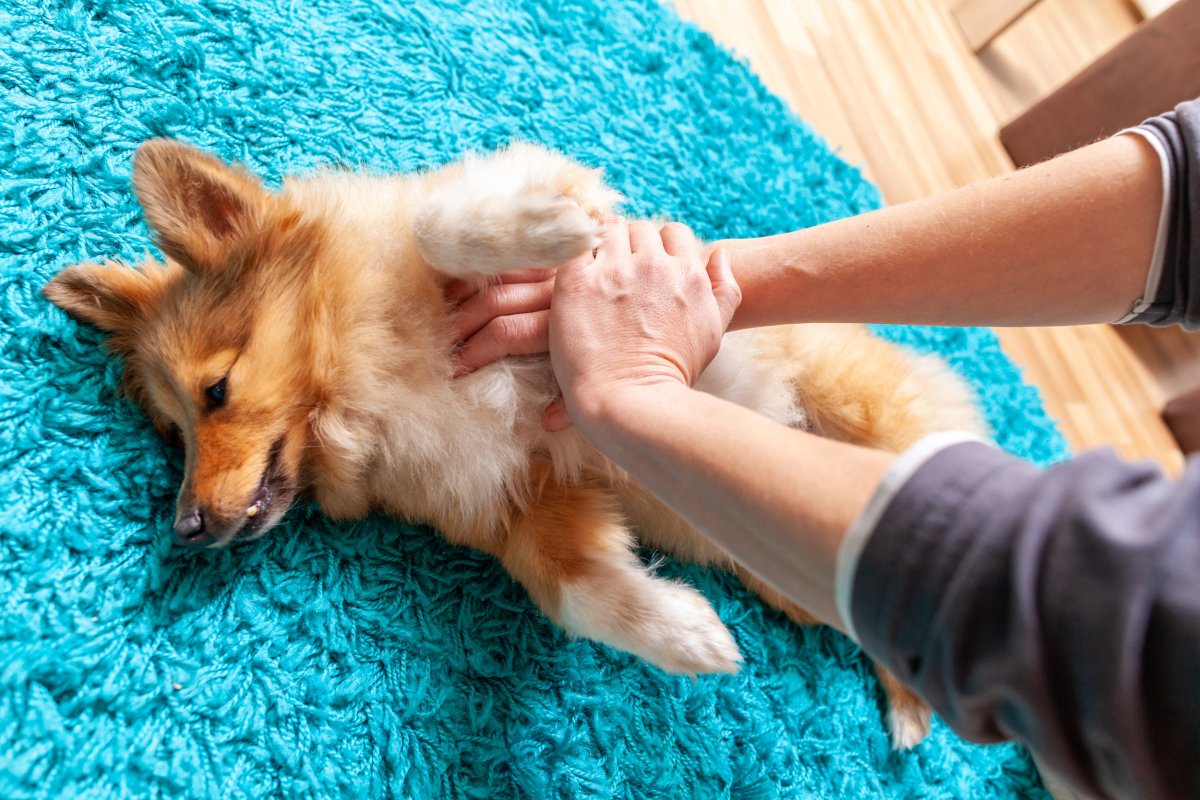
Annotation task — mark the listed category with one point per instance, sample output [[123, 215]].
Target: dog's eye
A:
[[214, 395]]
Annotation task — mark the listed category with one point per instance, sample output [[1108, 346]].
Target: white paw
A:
[[689, 638], [520, 207], [670, 625], [551, 229], [484, 235], [554, 171], [908, 726]]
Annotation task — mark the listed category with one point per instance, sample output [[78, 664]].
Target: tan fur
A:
[[320, 306]]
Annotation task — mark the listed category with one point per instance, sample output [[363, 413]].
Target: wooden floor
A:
[[894, 87]]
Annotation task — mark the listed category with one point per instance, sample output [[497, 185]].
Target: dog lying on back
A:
[[298, 342]]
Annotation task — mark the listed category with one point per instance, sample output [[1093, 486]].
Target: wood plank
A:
[[982, 21]]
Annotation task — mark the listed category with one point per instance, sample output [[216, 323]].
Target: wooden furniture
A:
[[1182, 415], [981, 21], [1151, 71]]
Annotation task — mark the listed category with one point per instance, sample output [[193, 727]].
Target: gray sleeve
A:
[[1060, 608], [1177, 299]]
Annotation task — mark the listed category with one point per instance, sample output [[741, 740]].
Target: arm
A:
[[1064, 242], [1067, 241], [630, 333], [738, 483], [1060, 608]]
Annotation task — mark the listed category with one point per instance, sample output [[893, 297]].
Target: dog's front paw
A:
[[519, 208], [551, 229], [534, 229]]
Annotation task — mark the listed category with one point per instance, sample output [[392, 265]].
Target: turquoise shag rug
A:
[[372, 659]]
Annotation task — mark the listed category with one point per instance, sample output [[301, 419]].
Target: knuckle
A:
[[503, 328], [512, 333], [653, 262], [494, 298]]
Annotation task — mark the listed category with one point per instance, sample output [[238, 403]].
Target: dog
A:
[[298, 342]]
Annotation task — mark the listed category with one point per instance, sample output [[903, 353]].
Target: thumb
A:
[[724, 285]]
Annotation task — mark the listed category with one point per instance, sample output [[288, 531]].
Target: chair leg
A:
[[1182, 415]]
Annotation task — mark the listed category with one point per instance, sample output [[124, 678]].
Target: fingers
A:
[[458, 290], [725, 288], [501, 300], [644, 238], [679, 241], [616, 239], [515, 335]]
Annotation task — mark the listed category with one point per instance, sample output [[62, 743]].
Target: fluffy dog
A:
[[298, 343]]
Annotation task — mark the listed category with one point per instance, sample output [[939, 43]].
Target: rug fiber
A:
[[372, 659]]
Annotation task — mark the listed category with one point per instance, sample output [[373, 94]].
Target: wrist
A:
[[607, 409], [755, 266], [711, 247]]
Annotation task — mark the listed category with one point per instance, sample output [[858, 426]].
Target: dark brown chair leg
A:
[[1182, 415]]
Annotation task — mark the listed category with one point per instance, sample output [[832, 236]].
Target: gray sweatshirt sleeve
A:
[[1176, 297], [1060, 608]]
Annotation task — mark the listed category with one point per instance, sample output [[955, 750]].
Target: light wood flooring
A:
[[893, 85]]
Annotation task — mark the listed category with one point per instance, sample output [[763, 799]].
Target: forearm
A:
[[1068, 241], [776, 499]]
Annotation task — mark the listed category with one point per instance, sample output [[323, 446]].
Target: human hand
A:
[[510, 317], [647, 310]]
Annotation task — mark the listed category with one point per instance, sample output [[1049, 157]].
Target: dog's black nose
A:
[[189, 530]]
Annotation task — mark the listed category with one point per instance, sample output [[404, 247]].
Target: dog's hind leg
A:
[[571, 549], [522, 207]]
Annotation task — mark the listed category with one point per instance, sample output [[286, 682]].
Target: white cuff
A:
[[860, 532], [1154, 274]]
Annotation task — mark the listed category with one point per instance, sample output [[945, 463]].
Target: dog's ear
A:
[[116, 297], [199, 207]]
